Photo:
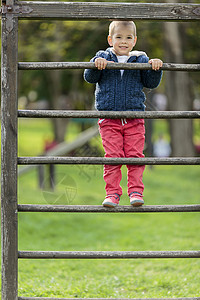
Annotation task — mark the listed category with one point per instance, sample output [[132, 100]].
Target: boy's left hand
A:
[[156, 63]]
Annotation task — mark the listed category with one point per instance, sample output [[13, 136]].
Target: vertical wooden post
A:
[[9, 236]]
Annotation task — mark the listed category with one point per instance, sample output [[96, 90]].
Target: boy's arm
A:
[[93, 75], [152, 78]]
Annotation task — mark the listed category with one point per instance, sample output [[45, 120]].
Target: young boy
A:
[[121, 90]]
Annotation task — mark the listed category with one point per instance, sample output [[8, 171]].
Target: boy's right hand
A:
[[100, 63]]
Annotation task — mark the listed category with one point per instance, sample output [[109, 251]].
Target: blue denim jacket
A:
[[121, 93]]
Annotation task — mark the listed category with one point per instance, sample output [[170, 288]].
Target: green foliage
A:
[[79, 41], [58, 41]]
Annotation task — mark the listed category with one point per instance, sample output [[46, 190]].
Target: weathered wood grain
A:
[[101, 209], [115, 66], [107, 10], [109, 160], [9, 238], [108, 114], [107, 254]]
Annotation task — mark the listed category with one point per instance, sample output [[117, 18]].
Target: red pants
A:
[[123, 138]]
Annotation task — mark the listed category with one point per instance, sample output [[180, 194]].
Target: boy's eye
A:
[[130, 37]]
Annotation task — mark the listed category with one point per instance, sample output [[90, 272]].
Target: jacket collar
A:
[[133, 54]]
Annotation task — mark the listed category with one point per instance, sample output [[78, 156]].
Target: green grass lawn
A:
[[111, 232], [128, 278]]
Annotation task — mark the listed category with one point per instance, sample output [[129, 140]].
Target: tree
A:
[[79, 41], [178, 91], [59, 41]]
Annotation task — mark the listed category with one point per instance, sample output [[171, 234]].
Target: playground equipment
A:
[[11, 11], [64, 148]]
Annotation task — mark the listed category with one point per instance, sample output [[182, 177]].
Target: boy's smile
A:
[[123, 40]]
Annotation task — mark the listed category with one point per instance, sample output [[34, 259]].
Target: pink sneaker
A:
[[111, 200], [136, 199]]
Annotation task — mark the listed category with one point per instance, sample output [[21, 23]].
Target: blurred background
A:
[[175, 42]]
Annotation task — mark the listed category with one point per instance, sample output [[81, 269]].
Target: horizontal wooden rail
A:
[[106, 254], [109, 114], [101, 209], [109, 160], [44, 298], [103, 11], [116, 66]]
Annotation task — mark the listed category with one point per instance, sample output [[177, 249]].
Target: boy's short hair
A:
[[113, 24]]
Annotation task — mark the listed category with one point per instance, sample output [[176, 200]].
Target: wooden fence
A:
[[11, 12]]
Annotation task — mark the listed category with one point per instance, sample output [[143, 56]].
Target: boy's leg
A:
[[134, 138], [112, 140]]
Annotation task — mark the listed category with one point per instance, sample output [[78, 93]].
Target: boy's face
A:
[[122, 40]]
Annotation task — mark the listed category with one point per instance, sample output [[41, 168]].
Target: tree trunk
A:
[[178, 92], [59, 125]]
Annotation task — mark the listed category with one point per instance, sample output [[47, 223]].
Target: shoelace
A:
[[123, 122], [116, 197], [135, 194]]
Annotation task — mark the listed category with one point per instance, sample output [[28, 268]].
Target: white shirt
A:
[[122, 59]]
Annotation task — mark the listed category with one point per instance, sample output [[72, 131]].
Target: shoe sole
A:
[[136, 203], [108, 204]]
